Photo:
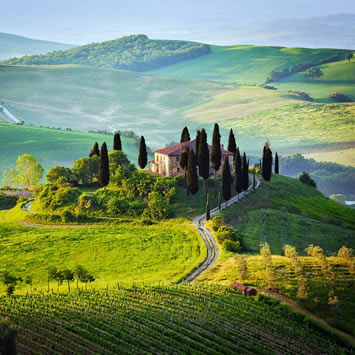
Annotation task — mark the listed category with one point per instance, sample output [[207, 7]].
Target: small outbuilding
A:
[[243, 288]]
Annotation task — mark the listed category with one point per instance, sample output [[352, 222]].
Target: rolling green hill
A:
[[17, 46], [243, 64], [52, 147], [136, 52]]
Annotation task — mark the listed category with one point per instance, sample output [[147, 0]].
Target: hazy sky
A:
[[83, 21]]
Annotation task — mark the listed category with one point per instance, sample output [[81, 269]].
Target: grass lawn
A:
[[124, 253]]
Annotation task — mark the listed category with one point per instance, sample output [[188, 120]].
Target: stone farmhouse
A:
[[167, 160]]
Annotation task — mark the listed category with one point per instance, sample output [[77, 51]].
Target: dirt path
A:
[[212, 248], [9, 114]]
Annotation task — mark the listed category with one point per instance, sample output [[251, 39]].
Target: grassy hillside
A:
[[52, 147], [286, 211], [87, 98], [124, 253], [184, 320], [243, 64], [18, 46], [339, 76], [135, 52]]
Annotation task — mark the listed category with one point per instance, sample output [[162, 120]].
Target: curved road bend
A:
[[212, 248]]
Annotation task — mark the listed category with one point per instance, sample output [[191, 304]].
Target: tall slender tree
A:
[[204, 160], [117, 144], [192, 178], [143, 155], [245, 170], [104, 172], [267, 162], [226, 180], [238, 174], [197, 146], [184, 157], [95, 150], [216, 153], [232, 146], [208, 213], [276, 163], [185, 135]]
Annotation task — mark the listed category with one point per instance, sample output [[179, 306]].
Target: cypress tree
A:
[[238, 176], [219, 201], [245, 170], [276, 163], [197, 145], [117, 144], [204, 159], [267, 162], [226, 179], [185, 135], [192, 178], [208, 213], [184, 157], [254, 180], [104, 172], [216, 153], [143, 155], [95, 150], [232, 147]]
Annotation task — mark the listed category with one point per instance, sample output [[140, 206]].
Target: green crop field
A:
[[243, 64], [124, 253], [339, 76], [150, 320], [52, 147], [88, 98]]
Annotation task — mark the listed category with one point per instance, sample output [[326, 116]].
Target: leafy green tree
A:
[[185, 135], [157, 206], [27, 172], [10, 282], [232, 146], [348, 56], [117, 144], [276, 163], [204, 160], [68, 275], [267, 162], [59, 175], [86, 170], [81, 274], [226, 179], [242, 267], [313, 72], [104, 169], [192, 178], [52, 275], [306, 179], [184, 157], [238, 172], [120, 167], [95, 150], [7, 338], [143, 155]]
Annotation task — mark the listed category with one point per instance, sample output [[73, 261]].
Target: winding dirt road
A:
[[212, 248]]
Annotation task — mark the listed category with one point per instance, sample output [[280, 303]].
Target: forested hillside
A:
[[136, 52]]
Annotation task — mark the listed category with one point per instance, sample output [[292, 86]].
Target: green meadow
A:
[[52, 147]]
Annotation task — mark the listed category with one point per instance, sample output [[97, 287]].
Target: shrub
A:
[[85, 202], [68, 217], [339, 97], [157, 207], [306, 179], [232, 246], [146, 221], [7, 202], [217, 222], [228, 233], [116, 205]]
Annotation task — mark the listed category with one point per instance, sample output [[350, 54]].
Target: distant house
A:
[[167, 160]]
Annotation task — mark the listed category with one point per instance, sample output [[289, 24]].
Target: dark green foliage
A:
[[157, 207], [86, 170], [238, 173], [10, 282], [192, 178], [203, 156], [267, 162], [117, 144], [59, 175], [254, 180], [104, 170], [339, 97], [135, 52], [232, 246], [276, 164], [7, 202], [228, 233], [226, 179], [185, 135], [348, 56], [232, 146], [143, 156], [68, 275], [217, 222], [219, 201], [208, 214], [120, 166], [216, 154], [197, 145], [306, 179], [245, 173], [184, 157], [7, 338], [313, 72], [95, 150]]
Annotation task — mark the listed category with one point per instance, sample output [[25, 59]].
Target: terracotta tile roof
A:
[[177, 149]]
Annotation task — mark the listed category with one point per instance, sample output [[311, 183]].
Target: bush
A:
[[68, 217], [7, 202], [228, 233], [116, 205], [157, 207], [306, 179], [232, 246], [339, 97], [217, 222], [146, 221]]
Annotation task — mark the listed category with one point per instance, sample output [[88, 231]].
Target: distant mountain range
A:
[[18, 46]]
